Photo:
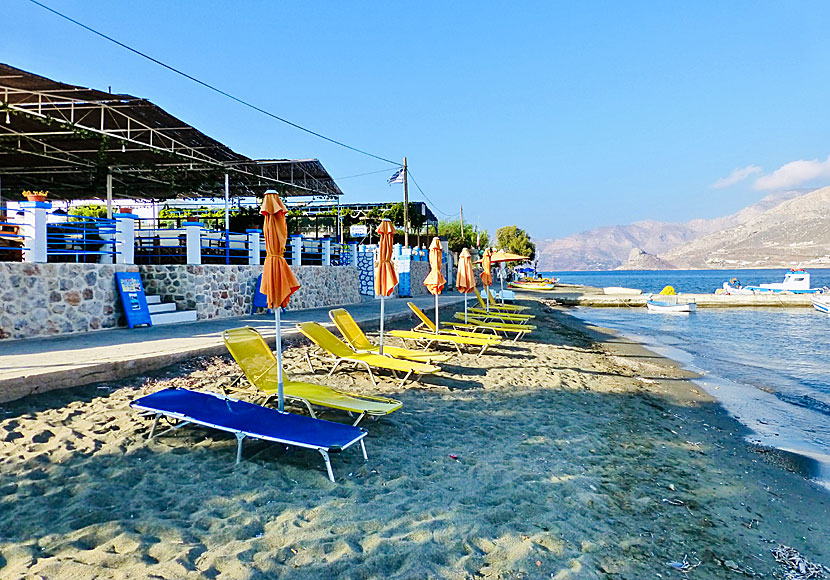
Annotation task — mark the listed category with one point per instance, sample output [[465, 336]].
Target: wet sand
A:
[[572, 454]]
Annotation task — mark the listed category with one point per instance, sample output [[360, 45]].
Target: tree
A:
[[514, 239], [457, 241]]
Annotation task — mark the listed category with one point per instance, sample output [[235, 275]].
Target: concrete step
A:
[[173, 317], [153, 299], [158, 308]]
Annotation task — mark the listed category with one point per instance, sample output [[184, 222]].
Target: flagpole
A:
[[280, 395], [463, 240], [405, 205]]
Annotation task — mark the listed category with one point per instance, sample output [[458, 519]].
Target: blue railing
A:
[[80, 239]]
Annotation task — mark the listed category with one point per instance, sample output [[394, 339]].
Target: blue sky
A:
[[554, 116]]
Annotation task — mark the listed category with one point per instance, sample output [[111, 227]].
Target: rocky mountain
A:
[[795, 232], [641, 260], [608, 248]]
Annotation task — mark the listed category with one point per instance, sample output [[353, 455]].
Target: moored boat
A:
[[671, 305], [621, 290], [533, 284], [796, 281], [822, 304]]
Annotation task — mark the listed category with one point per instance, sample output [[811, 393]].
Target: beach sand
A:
[[572, 454]]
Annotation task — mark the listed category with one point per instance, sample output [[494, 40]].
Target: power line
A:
[[362, 174], [209, 86], [427, 198]]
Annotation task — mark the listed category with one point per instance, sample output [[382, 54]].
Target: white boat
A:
[[617, 290], [796, 281], [822, 304], [671, 304]]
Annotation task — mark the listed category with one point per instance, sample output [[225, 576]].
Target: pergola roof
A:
[[66, 139]]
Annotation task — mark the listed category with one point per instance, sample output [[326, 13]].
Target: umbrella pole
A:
[[465, 309], [382, 303], [278, 348], [437, 327]]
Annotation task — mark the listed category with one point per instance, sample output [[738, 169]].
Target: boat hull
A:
[[669, 308], [822, 305]]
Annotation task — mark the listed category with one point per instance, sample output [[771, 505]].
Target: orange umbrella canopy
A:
[[486, 276], [386, 278], [435, 279], [502, 256], [278, 281], [466, 279]]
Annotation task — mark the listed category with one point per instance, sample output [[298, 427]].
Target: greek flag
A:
[[397, 177]]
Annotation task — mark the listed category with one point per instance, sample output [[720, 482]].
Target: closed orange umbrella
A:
[[486, 276], [278, 281], [435, 279], [386, 278], [466, 279]]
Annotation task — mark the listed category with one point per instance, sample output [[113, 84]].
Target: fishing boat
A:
[[671, 304], [796, 281], [617, 290], [822, 304]]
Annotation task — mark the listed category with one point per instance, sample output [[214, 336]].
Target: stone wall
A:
[[50, 299], [417, 274], [221, 291]]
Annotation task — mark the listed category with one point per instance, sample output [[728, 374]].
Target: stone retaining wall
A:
[[50, 299]]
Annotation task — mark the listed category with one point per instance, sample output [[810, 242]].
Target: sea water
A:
[[767, 366]]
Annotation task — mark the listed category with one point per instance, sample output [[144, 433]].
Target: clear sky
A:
[[554, 116]]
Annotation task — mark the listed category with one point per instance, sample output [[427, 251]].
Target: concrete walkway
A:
[[42, 364]]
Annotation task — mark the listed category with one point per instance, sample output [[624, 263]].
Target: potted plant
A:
[[35, 195]]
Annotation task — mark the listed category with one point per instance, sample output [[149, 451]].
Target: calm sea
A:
[[768, 366]]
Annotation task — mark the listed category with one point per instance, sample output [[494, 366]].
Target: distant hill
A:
[[608, 248], [795, 232]]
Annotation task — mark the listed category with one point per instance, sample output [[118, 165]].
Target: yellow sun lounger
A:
[[341, 352], [356, 338], [260, 369], [509, 317], [494, 303], [428, 326], [477, 323]]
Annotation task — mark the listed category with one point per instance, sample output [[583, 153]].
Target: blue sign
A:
[[133, 298]]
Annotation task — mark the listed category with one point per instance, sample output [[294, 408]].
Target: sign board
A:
[[133, 298], [358, 231]]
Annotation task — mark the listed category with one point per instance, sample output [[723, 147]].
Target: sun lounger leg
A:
[[155, 424], [336, 364], [359, 418], [403, 381], [481, 352], [239, 438], [363, 448], [308, 360], [325, 455], [371, 376]]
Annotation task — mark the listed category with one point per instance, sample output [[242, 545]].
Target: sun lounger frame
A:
[[242, 434]]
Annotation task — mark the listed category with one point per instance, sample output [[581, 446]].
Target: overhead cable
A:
[[209, 86]]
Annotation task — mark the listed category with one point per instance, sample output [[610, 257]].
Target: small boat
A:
[[621, 290], [734, 286], [822, 304], [671, 304], [530, 284], [796, 281]]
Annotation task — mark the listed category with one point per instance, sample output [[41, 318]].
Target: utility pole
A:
[[462, 224], [405, 205]]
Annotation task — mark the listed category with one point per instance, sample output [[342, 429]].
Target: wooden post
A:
[[405, 205]]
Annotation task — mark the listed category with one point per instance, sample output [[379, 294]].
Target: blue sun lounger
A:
[[248, 420]]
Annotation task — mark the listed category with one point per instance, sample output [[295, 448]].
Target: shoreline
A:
[[567, 455], [799, 461], [789, 452]]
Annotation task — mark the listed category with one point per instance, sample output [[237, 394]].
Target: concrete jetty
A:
[[575, 295]]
